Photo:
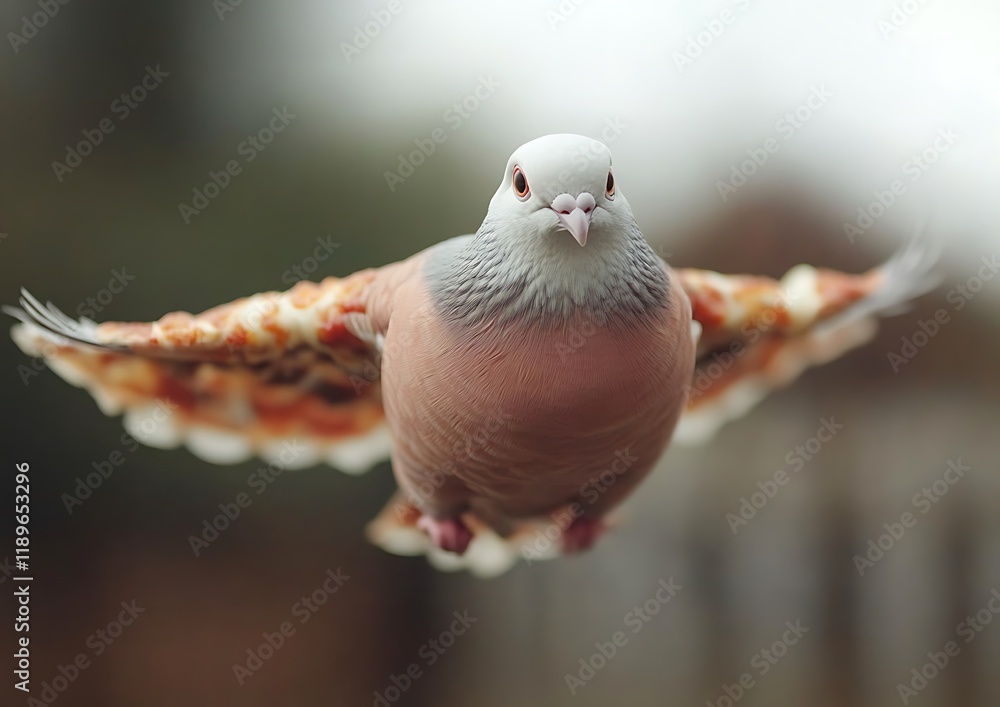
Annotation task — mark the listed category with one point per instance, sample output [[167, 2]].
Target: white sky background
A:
[[613, 59]]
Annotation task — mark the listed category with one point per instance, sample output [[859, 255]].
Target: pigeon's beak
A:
[[575, 214], [577, 223]]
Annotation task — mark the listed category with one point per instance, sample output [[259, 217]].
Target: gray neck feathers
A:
[[500, 274]]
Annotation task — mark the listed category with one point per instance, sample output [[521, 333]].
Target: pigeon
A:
[[524, 379]]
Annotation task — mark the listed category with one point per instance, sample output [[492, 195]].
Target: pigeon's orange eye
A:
[[520, 184], [610, 189]]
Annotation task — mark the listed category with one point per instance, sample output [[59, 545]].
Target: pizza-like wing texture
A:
[[759, 334], [277, 375]]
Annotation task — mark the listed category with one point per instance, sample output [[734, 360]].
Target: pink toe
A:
[[449, 534], [581, 534]]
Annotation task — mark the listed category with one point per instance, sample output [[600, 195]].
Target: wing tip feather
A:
[[53, 322]]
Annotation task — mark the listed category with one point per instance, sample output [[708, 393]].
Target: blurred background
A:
[[748, 136]]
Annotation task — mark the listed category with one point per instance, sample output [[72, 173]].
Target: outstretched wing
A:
[[278, 375], [759, 334]]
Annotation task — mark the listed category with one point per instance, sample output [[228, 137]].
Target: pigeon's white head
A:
[[560, 183], [526, 261]]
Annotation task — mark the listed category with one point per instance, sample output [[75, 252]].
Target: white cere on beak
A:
[[575, 214]]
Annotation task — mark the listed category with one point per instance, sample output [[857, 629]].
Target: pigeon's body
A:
[[520, 407], [530, 374]]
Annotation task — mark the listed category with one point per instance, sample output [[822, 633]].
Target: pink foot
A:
[[449, 534], [581, 534]]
